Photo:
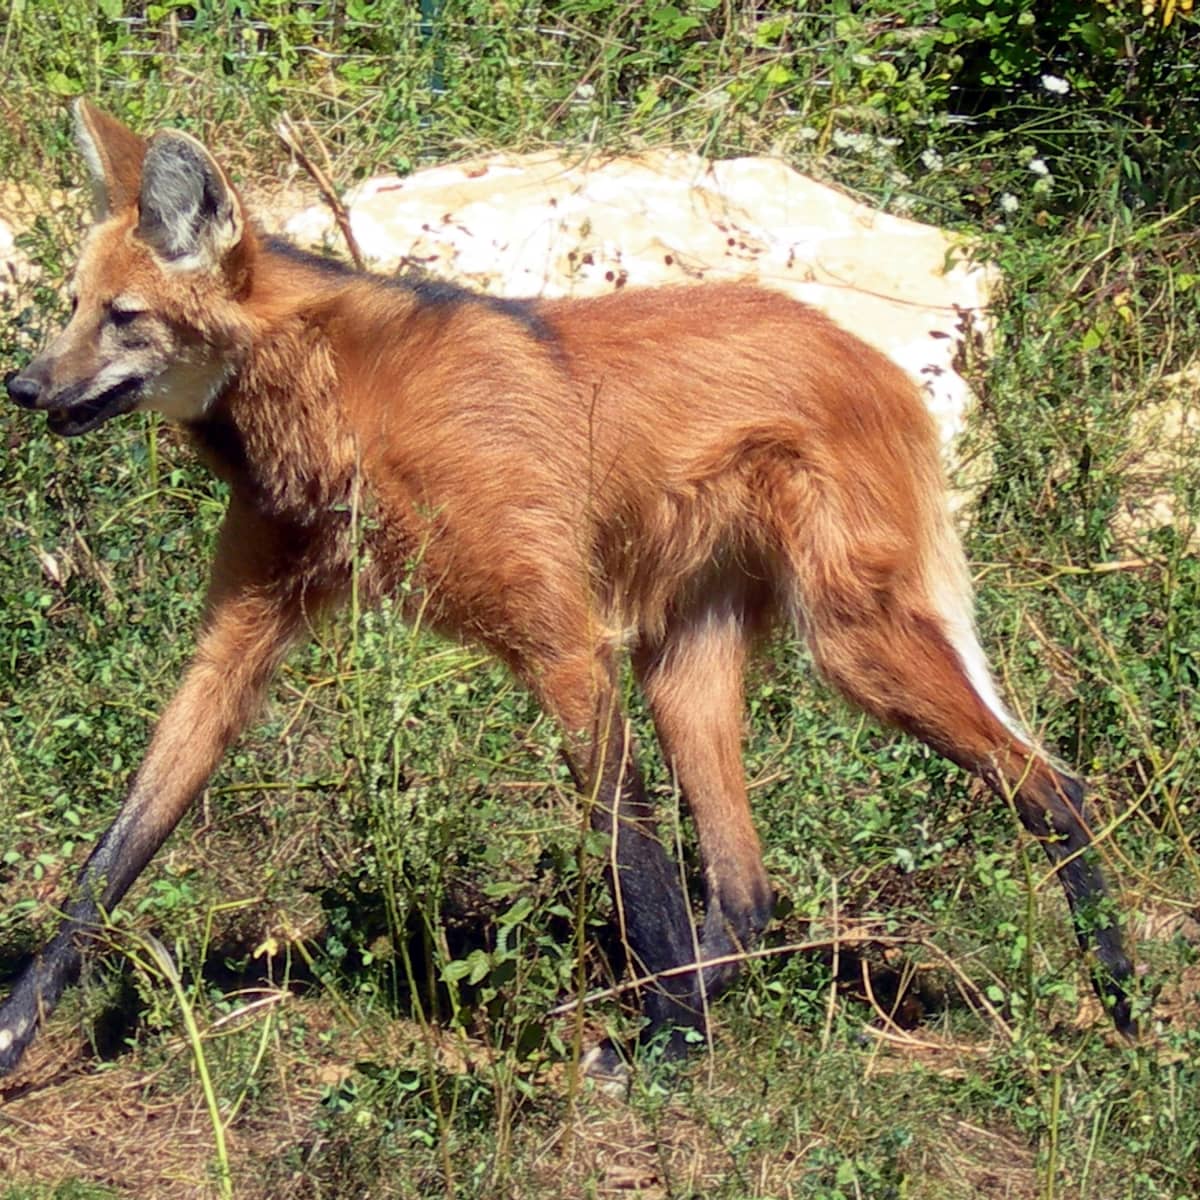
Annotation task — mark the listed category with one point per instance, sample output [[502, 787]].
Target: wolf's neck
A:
[[278, 434]]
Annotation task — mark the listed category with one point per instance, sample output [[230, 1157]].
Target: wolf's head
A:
[[155, 320]]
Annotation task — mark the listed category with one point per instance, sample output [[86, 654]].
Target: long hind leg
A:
[[693, 682], [924, 673]]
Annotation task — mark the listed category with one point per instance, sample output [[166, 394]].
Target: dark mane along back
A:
[[428, 290]]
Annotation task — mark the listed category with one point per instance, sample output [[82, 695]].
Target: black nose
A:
[[23, 390]]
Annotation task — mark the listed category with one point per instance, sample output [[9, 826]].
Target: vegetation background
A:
[[338, 979]]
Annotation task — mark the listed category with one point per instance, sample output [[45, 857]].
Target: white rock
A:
[[1162, 450], [15, 267]]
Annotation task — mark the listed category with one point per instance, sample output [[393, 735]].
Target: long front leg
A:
[[247, 631]]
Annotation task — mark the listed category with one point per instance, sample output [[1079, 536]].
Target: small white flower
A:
[[845, 139], [585, 91], [1038, 166], [879, 147], [1056, 85], [1009, 203], [931, 160]]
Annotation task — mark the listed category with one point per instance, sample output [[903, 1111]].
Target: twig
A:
[[969, 991], [1054, 571], [831, 1006], [287, 135], [267, 1001], [902, 1037]]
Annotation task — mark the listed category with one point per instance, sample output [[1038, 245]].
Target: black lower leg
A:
[[104, 879], [652, 909], [733, 923], [1061, 828]]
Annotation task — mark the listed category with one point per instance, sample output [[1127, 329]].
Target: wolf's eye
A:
[[121, 317]]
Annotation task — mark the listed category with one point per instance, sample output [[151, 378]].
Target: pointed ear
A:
[[188, 212], [113, 155]]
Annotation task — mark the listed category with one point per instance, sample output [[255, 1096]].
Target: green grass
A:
[[386, 890]]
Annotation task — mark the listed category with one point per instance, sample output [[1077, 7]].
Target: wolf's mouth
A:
[[84, 417]]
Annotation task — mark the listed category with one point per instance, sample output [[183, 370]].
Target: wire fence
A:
[[344, 35], [399, 84]]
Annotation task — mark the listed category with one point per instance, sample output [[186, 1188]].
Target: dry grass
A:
[[138, 1125]]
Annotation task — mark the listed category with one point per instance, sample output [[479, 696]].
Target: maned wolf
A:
[[667, 471]]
